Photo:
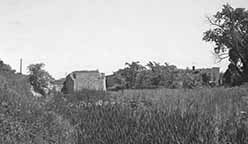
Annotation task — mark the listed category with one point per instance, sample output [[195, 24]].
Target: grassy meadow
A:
[[161, 116]]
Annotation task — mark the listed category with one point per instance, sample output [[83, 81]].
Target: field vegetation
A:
[[206, 116], [173, 116]]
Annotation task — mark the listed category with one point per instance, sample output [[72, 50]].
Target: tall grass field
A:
[[161, 116]]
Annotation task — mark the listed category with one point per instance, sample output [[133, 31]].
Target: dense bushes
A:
[[6, 67], [156, 75], [24, 120], [39, 78]]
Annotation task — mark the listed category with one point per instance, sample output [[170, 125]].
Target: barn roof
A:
[[85, 71]]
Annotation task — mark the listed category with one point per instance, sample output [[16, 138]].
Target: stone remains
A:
[[79, 80], [213, 75]]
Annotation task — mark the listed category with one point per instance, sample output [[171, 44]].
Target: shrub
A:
[[24, 121], [39, 78]]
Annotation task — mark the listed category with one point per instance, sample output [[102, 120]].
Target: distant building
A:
[[198, 77], [79, 80], [212, 73]]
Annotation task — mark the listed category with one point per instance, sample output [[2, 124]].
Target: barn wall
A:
[[68, 85], [89, 80]]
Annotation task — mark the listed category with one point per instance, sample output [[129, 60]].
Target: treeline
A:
[[154, 75], [5, 67]]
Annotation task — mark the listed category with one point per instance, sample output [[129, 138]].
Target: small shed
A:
[[79, 80]]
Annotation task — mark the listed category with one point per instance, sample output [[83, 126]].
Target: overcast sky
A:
[[70, 35]]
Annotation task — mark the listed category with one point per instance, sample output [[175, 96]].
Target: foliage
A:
[[24, 120], [202, 116], [39, 78], [230, 36], [135, 116], [154, 75], [127, 76], [188, 80], [157, 116], [6, 67], [162, 75]]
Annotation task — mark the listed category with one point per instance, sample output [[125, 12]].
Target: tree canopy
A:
[[152, 75], [229, 33], [39, 78], [5, 67]]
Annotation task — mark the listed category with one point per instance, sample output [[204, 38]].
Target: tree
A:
[[5, 67], [143, 80], [162, 75], [39, 78], [230, 36], [130, 73], [153, 75]]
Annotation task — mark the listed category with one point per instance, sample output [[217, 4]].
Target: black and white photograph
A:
[[123, 71]]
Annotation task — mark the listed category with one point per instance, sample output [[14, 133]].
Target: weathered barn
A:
[[79, 80]]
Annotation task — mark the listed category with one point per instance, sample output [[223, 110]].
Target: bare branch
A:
[[221, 58], [223, 54], [213, 23]]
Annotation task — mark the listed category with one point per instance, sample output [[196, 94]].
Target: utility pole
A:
[[21, 66]]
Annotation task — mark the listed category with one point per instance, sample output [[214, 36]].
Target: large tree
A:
[[229, 33]]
